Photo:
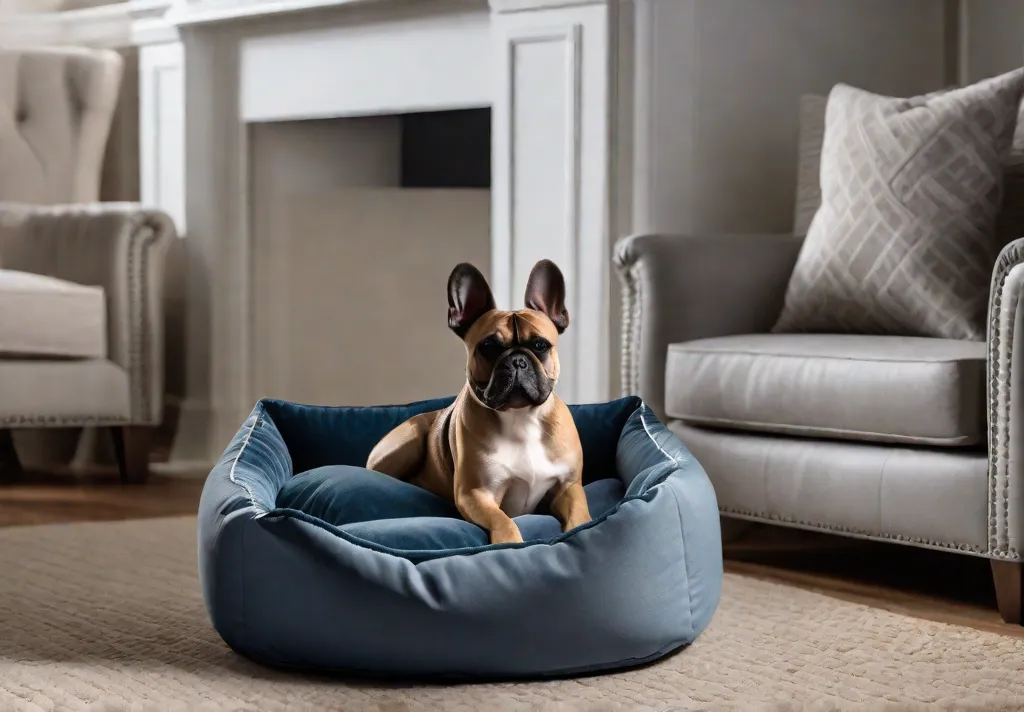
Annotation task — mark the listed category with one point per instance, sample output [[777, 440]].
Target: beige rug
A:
[[109, 617]]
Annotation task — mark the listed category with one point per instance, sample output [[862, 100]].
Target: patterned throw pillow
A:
[[904, 241], [1009, 226]]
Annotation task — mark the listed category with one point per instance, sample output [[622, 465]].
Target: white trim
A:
[[162, 82], [374, 73], [149, 24], [573, 179], [205, 12], [504, 235], [571, 36], [508, 6]]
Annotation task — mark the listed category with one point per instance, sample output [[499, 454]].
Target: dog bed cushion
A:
[[401, 516], [308, 560]]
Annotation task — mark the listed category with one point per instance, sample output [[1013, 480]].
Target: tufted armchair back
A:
[[56, 109]]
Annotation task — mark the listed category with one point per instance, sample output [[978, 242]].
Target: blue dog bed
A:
[[308, 560]]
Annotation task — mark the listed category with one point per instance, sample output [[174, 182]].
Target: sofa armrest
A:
[[681, 287], [119, 247], [1006, 403]]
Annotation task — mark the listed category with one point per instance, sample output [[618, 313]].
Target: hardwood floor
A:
[[53, 499], [934, 585]]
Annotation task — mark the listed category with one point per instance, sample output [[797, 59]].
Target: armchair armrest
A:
[[119, 247], [681, 287], [1006, 407]]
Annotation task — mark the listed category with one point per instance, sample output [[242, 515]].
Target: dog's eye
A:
[[490, 348], [540, 346]]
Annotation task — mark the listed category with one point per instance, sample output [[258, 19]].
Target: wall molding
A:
[[149, 22], [374, 73], [503, 257], [206, 12], [508, 6], [573, 89], [162, 70]]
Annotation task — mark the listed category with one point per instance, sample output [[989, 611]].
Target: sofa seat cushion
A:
[[51, 393], [872, 388], [935, 497], [48, 317]]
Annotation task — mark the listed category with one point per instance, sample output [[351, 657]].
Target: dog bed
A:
[[308, 560]]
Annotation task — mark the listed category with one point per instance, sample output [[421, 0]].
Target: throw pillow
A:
[[1009, 226], [904, 240]]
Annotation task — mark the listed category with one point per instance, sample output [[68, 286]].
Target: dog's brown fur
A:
[[459, 452]]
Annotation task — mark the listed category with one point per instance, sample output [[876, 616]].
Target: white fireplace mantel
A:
[[552, 72], [195, 12]]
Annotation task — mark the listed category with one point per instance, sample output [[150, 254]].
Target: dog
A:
[[508, 442]]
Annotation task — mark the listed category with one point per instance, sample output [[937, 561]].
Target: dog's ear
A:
[[545, 292], [469, 298]]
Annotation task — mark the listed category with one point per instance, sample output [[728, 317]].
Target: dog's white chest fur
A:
[[521, 460]]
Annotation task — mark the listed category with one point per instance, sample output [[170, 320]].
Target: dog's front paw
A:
[[507, 535]]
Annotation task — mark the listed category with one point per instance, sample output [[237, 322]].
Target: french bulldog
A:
[[507, 443]]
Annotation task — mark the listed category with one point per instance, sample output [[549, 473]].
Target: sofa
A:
[[80, 280], [904, 439]]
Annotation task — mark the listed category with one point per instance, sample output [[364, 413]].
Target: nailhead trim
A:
[[628, 270], [1000, 394], [57, 421], [882, 536], [139, 349]]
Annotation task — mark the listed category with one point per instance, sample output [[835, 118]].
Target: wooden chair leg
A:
[[132, 446], [10, 465], [1007, 578]]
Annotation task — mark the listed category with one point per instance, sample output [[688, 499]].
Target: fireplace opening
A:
[[446, 149], [356, 224]]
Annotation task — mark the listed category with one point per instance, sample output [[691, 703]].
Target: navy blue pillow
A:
[[398, 515], [355, 430]]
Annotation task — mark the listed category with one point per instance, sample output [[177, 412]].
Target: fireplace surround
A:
[[548, 71]]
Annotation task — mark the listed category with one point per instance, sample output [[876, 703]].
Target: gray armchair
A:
[[907, 440], [80, 281]]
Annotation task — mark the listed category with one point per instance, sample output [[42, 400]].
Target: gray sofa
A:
[[907, 440], [80, 281]]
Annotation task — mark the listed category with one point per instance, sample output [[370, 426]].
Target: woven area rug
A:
[[108, 616]]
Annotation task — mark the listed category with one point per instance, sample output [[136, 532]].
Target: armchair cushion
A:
[[49, 317], [933, 497], [840, 386], [63, 393]]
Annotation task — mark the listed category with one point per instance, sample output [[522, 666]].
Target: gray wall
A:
[[993, 37], [719, 83]]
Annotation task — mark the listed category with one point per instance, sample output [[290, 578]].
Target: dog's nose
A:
[[519, 362]]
